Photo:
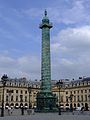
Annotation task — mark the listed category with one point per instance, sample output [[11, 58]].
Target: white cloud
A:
[[70, 48], [72, 38], [75, 13], [29, 63], [25, 66], [70, 52]]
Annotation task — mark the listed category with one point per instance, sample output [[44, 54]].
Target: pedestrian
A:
[[12, 109], [33, 112], [82, 109], [72, 111], [29, 111], [9, 110], [22, 110]]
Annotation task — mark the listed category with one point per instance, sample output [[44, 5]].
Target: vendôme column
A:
[[46, 100], [46, 63]]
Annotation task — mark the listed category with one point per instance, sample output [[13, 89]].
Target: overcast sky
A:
[[20, 38]]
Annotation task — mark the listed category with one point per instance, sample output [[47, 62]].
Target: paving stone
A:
[[46, 116]]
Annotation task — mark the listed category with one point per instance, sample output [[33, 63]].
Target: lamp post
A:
[[29, 90], [3, 80], [71, 97], [59, 85]]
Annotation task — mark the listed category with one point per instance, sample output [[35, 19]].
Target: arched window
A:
[[78, 105], [16, 105], [21, 105], [12, 105], [6, 105], [74, 105]]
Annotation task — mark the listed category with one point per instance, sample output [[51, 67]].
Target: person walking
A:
[[9, 110], [22, 110], [82, 109], [12, 109]]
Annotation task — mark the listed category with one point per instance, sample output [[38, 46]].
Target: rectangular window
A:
[[21, 98], [16, 98], [25, 92], [12, 91], [74, 98], [89, 97], [85, 97], [7, 90], [78, 98], [82, 98], [16, 91], [7, 98], [21, 92], [25, 98], [11, 98], [81, 91], [66, 92], [78, 91], [85, 91]]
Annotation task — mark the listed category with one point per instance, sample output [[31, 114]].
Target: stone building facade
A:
[[16, 93], [75, 92]]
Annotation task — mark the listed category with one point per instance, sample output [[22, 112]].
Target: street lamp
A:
[[29, 90], [59, 85], [71, 97], [3, 80]]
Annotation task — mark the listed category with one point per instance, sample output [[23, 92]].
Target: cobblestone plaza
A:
[[16, 115], [48, 116]]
